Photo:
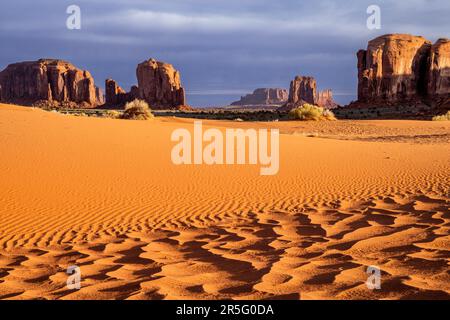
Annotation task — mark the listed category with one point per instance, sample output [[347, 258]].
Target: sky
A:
[[222, 48]]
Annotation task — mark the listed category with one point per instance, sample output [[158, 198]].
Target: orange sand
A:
[[103, 194]]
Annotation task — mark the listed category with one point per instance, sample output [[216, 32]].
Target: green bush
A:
[[444, 117], [311, 112], [137, 110]]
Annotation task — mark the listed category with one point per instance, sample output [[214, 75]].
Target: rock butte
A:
[[398, 68], [159, 85], [304, 90]]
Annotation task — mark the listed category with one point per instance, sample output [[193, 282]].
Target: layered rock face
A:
[[325, 99], [47, 81], [400, 68], [263, 96], [439, 69], [116, 96], [160, 85], [302, 89], [100, 97]]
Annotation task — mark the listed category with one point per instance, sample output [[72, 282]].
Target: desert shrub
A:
[[137, 110], [311, 112], [443, 117], [113, 114]]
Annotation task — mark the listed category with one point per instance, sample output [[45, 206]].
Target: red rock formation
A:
[[439, 69], [47, 81], [392, 69], [302, 89], [116, 97], [159, 84], [263, 96], [99, 96], [325, 99], [113, 92]]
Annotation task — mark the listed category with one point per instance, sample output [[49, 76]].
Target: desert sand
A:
[[104, 195]]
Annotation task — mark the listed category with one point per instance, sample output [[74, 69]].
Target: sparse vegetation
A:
[[113, 114], [311, 112], [443, 117], [137, 110]]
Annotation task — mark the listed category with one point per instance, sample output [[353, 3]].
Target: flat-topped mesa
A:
[[48, 82], [263, 97], [160, 85]]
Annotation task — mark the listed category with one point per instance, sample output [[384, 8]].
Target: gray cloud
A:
[[220, 46]]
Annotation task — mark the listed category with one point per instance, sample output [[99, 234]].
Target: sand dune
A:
[[104, 195]]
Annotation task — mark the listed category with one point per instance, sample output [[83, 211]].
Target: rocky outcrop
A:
[[99, 96], [398, 68], [325, 99], [113, 93], [160, 85], [393, 68], [263, 97], [439, 69], [302, 90], [47, 82]]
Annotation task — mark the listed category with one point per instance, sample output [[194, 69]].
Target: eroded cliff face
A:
[[304, 90], [439, 69], [263, 96], [399, 68], [47, 82], [159, 85], [325, 99]]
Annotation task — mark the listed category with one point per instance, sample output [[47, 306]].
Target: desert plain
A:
[[104, 195]]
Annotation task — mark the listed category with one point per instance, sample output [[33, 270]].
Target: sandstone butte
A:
[[304, 90], [159, 85], [399, 68], [47, 82], [263, 96]]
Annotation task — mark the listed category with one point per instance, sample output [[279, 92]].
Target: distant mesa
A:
[[304, 90], [159, 85], [264, 97], [399, 68], [48, 82]]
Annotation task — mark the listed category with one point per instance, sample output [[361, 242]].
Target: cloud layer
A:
[[219, 46]]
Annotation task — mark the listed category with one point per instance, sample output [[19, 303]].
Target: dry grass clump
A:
[[112, 114], [311, 112], [137, 110], [443, 117]]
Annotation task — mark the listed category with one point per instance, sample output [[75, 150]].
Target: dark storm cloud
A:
[[218, 45]]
